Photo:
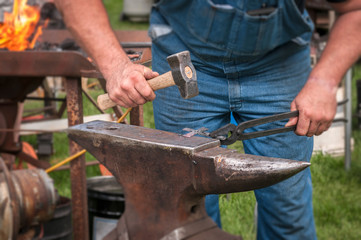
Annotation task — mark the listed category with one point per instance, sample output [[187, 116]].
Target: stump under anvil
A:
[[165, 177]]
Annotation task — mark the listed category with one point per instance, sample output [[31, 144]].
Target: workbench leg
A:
[[77, 166], [136, 116]]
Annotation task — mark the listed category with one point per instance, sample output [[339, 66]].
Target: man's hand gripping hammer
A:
[[182, 74]]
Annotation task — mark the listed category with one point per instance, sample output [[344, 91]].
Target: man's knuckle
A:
[[306, 113], [125, 86], [301, 132], [319, 118], [141, 101], [114, 96], [134, 76], [148, 93]]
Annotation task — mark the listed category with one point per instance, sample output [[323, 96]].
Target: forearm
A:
[[342, 50], [316, 102], [88, 22]]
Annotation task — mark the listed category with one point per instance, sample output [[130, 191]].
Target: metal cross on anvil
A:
[[165, 177]]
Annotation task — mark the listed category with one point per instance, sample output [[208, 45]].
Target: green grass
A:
[[337, 196], [237, 214], [337, 193]]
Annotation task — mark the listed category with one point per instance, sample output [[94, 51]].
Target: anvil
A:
[[165, 177]]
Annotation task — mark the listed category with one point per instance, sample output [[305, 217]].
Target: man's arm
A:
[[317, 100], [88, 22]]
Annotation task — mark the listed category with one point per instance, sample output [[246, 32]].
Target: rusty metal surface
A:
[[318, 5], [33, 161], [77, 166], [10, 207], [58, 36], [26, 197], [144, 138], [165, 176], [37, 195], [136, 116], [232, 172], [43, 63], [192, 229], [3, 125], [9, 111]]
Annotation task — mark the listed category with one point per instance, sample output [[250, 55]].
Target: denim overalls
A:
[[250, 66]]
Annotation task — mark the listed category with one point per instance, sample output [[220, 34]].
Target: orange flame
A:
[[19, 26]]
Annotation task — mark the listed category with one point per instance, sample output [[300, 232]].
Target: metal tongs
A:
[[230, 133]]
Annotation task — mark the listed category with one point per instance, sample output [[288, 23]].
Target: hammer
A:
[[182, 74]]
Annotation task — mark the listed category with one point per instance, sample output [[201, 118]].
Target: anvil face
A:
[[141, 137], [165, 176]]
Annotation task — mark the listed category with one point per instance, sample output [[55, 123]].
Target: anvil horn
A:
[[165, 176], [228, 171]]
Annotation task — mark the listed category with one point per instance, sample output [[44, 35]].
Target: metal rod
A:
[[28, 130], [34, 112], [69, 159], [92, 101], [61, 109], [77, 166], [66, 167], [136, 44], [46, 99], [37, 110], [136, 116], [348, 124]]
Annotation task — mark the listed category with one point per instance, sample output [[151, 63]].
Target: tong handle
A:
[[237, 132], [252, 123]]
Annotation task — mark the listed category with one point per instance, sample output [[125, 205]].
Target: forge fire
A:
[[21, 27]]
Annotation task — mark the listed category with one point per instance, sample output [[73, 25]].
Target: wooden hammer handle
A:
[[162, 81]]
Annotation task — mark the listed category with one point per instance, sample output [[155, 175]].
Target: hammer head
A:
[[184, 74]]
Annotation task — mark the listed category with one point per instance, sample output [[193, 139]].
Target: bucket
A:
[[106, 204], [137, 10], [59, 227]]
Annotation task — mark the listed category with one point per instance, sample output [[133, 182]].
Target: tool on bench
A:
[[182, 74], [230, 133]]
